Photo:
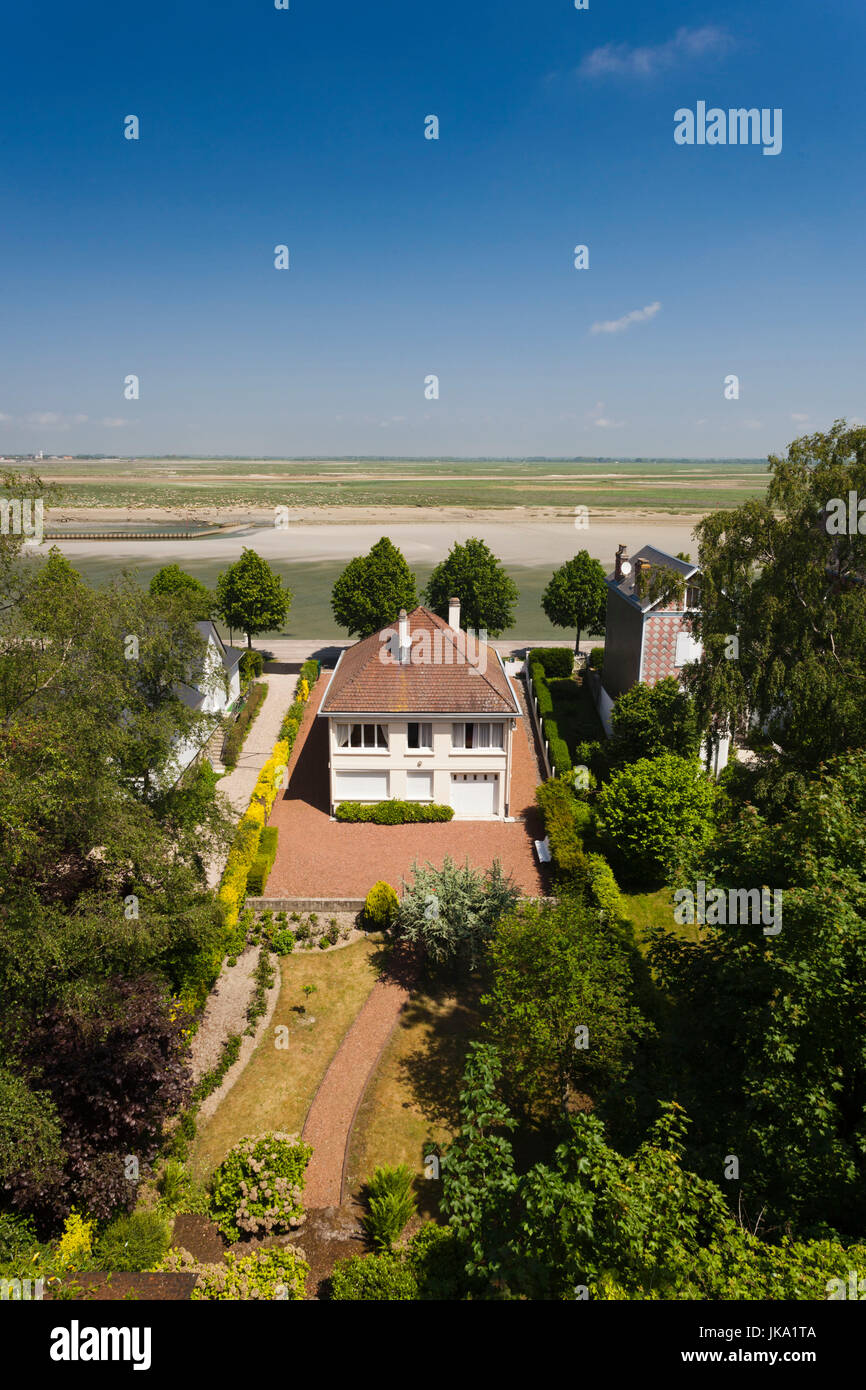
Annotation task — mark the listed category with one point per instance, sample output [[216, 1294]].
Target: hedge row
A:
[[234, 740], [263, 863], [557, 748], [554, 661], [393, 812], [566, 821], [252, 842]]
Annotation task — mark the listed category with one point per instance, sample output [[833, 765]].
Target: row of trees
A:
[[374, 587]]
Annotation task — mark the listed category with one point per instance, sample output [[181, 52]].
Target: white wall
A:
[[399, 759]]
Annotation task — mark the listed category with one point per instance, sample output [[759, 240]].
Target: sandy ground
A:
[[519, 536]]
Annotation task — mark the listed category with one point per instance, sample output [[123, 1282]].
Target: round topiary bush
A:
[[381, 906], [257, 1189], [135, 1242]]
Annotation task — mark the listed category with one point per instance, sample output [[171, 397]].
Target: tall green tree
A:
[[783, 608], [472, 573], [589, 1222], [559, 1005], [768, 1032], [250, 596], [372, 589], [576, 596], [171, 581], [649, 720], [653, 811]]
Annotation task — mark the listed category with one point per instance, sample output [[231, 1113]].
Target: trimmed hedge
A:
[[557, 747], [596, 659], [234, 740], [263, 863], [393, 812], [554, 661]]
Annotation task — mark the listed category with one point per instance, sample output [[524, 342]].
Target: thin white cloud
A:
[[600, 420], [801, 419], [627, 60], [620, 325], [114, 422]]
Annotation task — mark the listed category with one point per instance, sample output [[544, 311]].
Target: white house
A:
[[212, 690], [422, 711]]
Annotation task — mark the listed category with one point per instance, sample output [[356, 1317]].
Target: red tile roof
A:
[[447, 674]]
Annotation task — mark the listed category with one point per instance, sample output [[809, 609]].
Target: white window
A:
[[420, 737], [687, 649], [362, 736], [478, 735], [419, 786], [360, 786]]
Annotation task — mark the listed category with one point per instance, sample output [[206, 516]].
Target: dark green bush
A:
[[252, 663], [542, 691], [596, 659], [393, 812], [373, 1279], [134, 1242], [234, 740], [560, 809], [554, 661], [263, 863]]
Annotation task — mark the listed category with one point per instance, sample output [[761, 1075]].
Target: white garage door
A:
[[360, 786], [473, 794]]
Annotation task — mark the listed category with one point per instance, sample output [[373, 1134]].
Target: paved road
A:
[[292, 651]]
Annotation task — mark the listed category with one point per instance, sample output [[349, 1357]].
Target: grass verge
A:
[[278, 1084]]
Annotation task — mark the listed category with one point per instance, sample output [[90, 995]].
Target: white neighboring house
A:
[[422, 712], [212, 691]]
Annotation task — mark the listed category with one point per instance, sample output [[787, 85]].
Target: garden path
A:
[[329, 1122]]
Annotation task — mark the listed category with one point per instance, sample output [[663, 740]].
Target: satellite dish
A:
[[626, 567]]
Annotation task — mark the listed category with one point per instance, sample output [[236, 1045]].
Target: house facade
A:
[[212, 690], [422, 711], [646, 639]]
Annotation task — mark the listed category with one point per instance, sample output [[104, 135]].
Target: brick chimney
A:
[[620, 556], [454, 613]]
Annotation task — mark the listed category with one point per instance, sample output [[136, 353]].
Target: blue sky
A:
[[411, 257]]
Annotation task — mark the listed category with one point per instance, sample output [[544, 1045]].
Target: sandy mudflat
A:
[[519, 536]]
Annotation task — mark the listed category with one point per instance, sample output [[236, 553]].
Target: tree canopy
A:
[[372, 589], [576, 596], [472, 573], [173, 582], [251, 597], [783, 609]]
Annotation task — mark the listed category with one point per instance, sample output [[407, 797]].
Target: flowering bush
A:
[[263, 1274], [75, 1247], [257, 1188]]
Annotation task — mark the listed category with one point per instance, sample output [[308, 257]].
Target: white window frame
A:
[[458, 740], [363, 747], [423, 747]]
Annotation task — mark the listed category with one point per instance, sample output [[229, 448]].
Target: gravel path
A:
[[225, 1012], [329, 1121]]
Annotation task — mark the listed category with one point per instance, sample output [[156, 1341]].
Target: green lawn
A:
[[656, 909]]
